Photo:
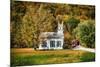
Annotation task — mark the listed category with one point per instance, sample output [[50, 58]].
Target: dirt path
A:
[[84, 49]]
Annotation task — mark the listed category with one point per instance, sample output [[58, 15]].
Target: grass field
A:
[[28, 56]]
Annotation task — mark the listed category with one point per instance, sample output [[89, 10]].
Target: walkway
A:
[[84, 49]]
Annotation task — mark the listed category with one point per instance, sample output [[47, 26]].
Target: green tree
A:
[[71, 23], [85, 32]]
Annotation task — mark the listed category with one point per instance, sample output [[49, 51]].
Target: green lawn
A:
[[28, 56]]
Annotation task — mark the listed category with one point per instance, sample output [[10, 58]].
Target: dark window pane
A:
[[58, 43], [52, 43], [44, 44]]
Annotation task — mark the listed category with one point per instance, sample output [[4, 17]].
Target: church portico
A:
[[55, 44]]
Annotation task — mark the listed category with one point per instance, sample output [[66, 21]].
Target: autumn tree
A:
[[29, 19]]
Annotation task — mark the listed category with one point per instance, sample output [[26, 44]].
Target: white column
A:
[[62, 44], [48, 42], [55, 43]]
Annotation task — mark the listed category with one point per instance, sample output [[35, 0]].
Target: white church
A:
[[52, 40]]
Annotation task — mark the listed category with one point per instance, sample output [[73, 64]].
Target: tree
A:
[[18, 10], [71, 23], [85, 32], [36, 20]]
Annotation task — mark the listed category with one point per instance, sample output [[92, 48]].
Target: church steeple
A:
[[60, 27]]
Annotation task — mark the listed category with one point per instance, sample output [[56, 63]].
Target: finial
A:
[[62, 22]]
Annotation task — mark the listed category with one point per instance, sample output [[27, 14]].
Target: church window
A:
[[52, 43], [58, 43], [44, 44]]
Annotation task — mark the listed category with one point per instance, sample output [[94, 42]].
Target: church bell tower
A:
[[60, 28]]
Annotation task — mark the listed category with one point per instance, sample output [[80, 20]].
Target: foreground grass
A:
[[28, 56]]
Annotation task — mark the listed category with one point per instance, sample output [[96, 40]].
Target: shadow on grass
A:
[[87, 57]]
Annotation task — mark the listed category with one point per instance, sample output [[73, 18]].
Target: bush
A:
[[67, 40]]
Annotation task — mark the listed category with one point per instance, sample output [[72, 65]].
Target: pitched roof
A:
[[51, 35]]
